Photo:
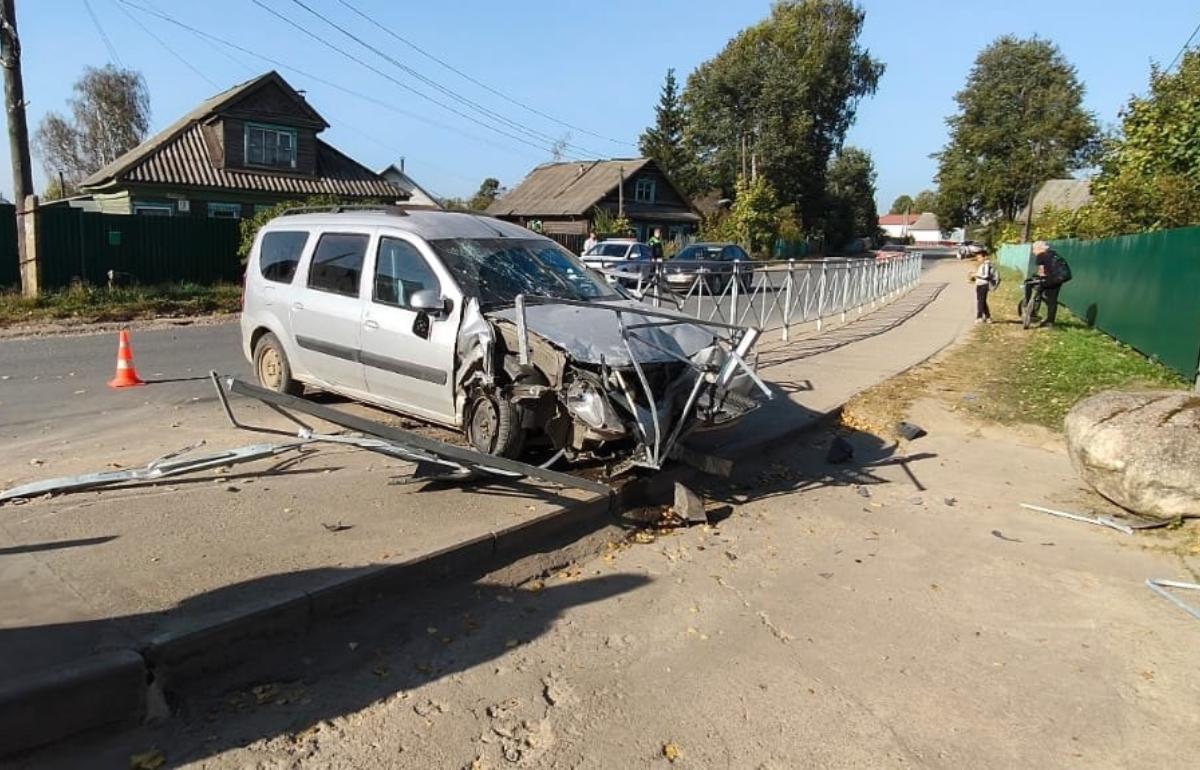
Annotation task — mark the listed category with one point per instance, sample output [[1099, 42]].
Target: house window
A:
[[153, 209], [270, 146], [643, 192], [224, 211]]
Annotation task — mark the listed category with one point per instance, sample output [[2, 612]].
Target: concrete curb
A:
[[43, 706], [114, 687]]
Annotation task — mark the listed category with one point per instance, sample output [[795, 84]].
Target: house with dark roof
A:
[[247, 148], [418, 196], [561, 198], [1059, 194]]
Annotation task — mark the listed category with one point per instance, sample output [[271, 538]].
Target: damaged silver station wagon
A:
[[483, 326]]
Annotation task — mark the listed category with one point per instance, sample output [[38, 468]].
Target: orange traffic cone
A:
[[127, 376]]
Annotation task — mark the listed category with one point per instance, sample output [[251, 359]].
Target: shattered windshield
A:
[[496, 270]]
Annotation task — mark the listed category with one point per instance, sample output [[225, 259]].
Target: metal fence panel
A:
[[85, 245], [1142, 289], [1017, 256]]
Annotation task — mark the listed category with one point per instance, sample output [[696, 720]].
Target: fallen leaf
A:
[[672, 751], [147, 760]]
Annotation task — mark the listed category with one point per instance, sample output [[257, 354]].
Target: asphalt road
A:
[[63, 379]]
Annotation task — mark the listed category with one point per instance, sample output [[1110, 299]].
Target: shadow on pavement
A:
[[397, 645], [55, 545]]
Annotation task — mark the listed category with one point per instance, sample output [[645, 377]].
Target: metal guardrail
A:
[[768, 295]]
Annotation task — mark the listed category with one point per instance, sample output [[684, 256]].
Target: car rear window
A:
[[279, 254], [337, 263]]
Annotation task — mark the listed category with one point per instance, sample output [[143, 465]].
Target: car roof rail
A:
[[338, 208]]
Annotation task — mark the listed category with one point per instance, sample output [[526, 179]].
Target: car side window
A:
[[400, 272], [337, 263], [279, 254]]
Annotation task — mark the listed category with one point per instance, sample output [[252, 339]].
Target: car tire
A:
[[494, 426], [271, 367]]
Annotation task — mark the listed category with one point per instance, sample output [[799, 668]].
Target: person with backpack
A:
[[656, 244], [986, 278], [1054, 272]]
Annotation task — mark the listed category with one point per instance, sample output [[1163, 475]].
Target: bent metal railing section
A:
[[769, 295]]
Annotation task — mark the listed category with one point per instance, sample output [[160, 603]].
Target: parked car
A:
[[712, 263], [621, 260], [416, 311], [969, 249]]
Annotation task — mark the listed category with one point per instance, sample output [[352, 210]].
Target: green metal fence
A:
[[10, 271], [1142, 289], [75, 244], [1017, 256]]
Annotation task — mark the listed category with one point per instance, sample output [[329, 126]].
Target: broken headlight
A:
[[587, 404]]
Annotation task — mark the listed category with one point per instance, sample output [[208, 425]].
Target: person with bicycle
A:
[[1049, 277]]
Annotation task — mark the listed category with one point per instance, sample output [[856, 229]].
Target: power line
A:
[[112, 51], [491, 114], [183, 60], [473, 80], [318, 79], [1185, 47], [388, 77]]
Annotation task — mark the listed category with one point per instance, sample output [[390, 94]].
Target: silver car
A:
[[483, 326]]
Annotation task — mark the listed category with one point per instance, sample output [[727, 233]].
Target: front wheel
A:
[[494, 426], [1029, 310]]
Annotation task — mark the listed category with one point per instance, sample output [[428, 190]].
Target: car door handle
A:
[[371, 323], [297, 306]]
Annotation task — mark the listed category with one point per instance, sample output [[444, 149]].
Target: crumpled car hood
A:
[[586, 334]]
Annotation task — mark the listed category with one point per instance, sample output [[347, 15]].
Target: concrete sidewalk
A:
[[106, 590], [819, 372]]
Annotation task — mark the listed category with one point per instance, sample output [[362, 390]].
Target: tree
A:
[[664, 140], [489, 190], [926, 200], [110, 115], [1150, 172], [779, 99], [754, 216], [902, 205], [850, 210], [1020, 121]]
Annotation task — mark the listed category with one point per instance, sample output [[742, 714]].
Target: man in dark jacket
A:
[[1047, 269]]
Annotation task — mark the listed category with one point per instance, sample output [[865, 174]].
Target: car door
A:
[[408, 354], [326, 313]]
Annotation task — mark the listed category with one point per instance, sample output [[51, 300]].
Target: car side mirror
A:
[[429, 301]]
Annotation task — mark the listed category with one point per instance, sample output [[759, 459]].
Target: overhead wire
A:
[[112, 50], [1187, 44], [449, 92], [218, 41], [400, 83], [182, 59], [475, 81]]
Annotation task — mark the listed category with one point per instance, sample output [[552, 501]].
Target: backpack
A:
[[1060, 271], [993, 278]]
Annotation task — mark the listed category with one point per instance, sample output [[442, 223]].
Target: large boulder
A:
[[1140, 449]]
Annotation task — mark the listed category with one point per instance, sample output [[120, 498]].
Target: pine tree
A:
[[664, 140]]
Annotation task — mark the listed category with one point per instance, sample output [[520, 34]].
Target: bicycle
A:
[[1028, 311]]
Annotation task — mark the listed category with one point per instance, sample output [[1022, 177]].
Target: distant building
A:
[[245, 149], [561, 198], [418, 197], [1061, 194], [926, 229], [897, 225]]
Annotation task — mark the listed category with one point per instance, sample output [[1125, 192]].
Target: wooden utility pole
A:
[[18, 137], [621, 193]]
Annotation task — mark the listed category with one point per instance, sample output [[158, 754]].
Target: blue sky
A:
[[594, 65]]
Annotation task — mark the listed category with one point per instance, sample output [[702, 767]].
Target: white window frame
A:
[[269, 130], [648, 184], [166, 209], [232, 208]]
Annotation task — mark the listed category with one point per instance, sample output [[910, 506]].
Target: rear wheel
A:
[[271, 366], [494, 426]]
